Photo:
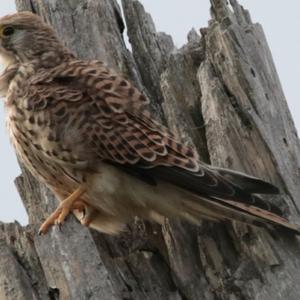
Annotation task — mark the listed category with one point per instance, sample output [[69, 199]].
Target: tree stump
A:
[[221, 93]]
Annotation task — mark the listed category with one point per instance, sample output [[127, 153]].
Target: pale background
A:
[[176, 17]]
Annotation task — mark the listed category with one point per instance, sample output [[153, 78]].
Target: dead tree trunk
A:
[[221, 93]]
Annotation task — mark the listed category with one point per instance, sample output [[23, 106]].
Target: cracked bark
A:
[[222, 94]]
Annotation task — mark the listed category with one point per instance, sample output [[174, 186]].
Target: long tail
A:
[[220, 194]]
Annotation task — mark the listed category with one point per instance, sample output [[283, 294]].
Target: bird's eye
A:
[[7, 31]]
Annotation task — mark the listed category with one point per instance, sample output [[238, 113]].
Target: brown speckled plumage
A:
[[86, 132]]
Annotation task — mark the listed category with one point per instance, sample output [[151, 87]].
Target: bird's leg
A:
[[64, 209]]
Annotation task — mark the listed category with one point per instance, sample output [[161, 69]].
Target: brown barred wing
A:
[[96, 115], [91, 115]]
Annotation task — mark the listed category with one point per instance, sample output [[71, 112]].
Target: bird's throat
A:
[[8, 69], [6, 77]]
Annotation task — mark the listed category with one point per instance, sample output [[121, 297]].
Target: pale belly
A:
[[118, 197]]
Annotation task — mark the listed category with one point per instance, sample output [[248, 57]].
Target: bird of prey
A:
[[87, 134]]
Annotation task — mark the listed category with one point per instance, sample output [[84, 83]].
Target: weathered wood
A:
[[221, 93]]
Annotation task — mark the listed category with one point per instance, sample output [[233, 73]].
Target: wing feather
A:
[[105, 119]]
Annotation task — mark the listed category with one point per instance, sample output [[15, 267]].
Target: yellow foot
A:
[[59, 215]]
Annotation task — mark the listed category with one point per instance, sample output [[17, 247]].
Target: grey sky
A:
[[177, 17]]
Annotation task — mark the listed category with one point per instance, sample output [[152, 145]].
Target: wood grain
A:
[[222, 94]]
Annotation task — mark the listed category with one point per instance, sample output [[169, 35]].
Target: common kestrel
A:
[[86, 133]]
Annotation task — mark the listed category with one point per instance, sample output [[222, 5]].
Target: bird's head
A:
[[24, 37]]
